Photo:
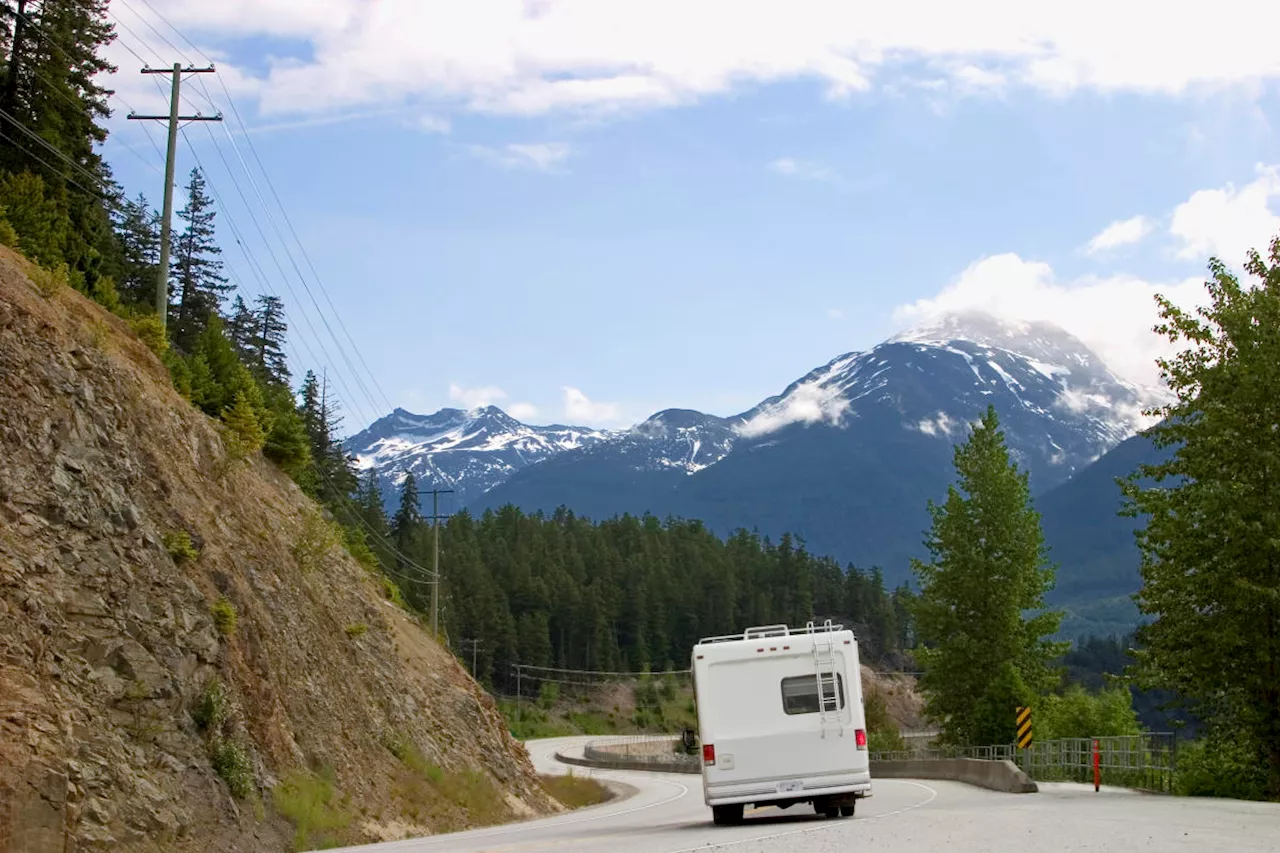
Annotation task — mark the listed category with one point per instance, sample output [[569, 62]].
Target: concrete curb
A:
[[1003, 776]]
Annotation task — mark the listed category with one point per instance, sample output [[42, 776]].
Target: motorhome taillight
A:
[[708, 753], [861, 736]]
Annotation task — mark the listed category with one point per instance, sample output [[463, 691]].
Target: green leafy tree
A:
[[1077, 713], [1211, 544], [982, 655]]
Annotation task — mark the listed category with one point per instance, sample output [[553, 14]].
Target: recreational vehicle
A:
[[781, 720]]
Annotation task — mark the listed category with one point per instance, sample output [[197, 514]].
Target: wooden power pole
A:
[[435, 560], [162, 280]]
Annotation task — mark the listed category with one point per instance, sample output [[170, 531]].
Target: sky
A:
[[586, 211]]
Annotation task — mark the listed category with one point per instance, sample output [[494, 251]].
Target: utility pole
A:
[[435, 559], [475, 647], [162, 282]]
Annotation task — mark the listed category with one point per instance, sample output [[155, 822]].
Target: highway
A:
[[664, 813]]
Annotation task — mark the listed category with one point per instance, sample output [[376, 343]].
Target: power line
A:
[[284, 213]]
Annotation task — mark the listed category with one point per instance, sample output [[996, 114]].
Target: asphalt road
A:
[[664, 813]]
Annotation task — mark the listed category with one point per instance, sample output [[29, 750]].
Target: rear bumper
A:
[[765, 791]]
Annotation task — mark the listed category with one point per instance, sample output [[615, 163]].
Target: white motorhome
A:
[[781, 720]]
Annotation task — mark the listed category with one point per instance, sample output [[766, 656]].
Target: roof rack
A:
[[757, 631]]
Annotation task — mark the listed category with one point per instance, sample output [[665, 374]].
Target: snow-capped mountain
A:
[[848, 455], [1060, 406], [467, 451]]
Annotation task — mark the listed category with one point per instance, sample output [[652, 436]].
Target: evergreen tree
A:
[[334, 468], [240, 328], [53, 60], [198, 281], [138, 226], [406, 536], [982, 657], [1211, 545], [267, 340]]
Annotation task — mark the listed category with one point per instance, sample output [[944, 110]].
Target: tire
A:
[[726, 815], [847, 811], [831, 812]]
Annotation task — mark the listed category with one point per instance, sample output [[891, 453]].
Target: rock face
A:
[[109, 647]]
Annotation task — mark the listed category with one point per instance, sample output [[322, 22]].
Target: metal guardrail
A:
[[1144, 762]]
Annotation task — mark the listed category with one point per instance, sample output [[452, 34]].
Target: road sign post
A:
[[1024, 727]]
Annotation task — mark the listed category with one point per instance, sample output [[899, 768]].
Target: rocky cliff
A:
[[187, 661]]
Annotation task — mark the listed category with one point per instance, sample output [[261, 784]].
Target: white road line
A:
[[826, 827]]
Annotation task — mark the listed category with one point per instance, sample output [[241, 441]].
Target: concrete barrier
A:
[[1004, 776]]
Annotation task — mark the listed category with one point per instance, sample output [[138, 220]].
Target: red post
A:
[[1097, 766]]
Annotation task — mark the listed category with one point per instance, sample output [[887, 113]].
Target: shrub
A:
[[150, 332], [50, 281], [356, 629], [1079, 713], [231, 761], [317, 537], [1221, 765], [213, 707], [180, 547], [224, 616], [8, 237]]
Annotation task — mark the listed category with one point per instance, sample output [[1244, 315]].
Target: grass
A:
[[310, 803], [356, 629], [659, 710], [576, 792], [443, 800]]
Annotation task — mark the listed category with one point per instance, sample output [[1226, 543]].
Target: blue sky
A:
[[586, 219]]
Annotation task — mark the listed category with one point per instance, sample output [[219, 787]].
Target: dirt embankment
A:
[[128, 671]]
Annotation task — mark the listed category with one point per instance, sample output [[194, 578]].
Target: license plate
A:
[[790, 785]]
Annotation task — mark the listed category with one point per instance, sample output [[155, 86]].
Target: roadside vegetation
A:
[[1210, 544]]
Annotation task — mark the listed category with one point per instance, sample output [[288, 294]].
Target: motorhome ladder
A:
[[824, 659]]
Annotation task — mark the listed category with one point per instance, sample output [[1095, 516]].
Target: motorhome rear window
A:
[[800, 694]]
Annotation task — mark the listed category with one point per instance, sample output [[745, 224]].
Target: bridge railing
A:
[[1145, 762]]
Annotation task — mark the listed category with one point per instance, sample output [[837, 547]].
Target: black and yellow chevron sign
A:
[[1024, 727]]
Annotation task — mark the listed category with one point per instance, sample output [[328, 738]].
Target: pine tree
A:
[[240, 328], [1211, 545], [982, 657], [245, 434], [138, 227], [406, 536], [267, 340], [53, 53], [197, 270]]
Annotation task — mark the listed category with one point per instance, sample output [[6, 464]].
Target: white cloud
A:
[[523, 411], [801, 169], [434, 124], [1113, 316], [1228, 222], [1121, 233], [809, 403], [522, 58], [540, 156], [475, 398], [580, 410]]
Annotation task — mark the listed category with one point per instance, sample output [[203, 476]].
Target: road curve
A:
[[664, 813]]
